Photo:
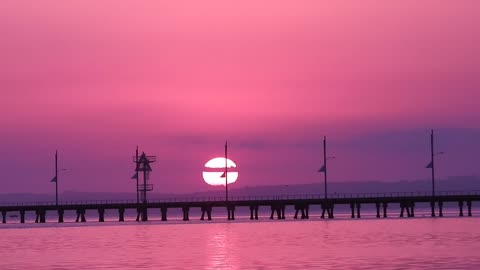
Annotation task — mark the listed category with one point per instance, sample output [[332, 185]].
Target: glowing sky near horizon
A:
[[96, 78]]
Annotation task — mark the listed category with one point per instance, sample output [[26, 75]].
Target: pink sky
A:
[[96, 78]]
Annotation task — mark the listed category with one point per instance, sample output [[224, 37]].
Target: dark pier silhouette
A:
[[401, 204], [393, 204]]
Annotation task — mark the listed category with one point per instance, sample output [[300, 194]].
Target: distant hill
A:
[[456, 183]]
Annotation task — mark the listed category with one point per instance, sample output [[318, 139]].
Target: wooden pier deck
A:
[[383, 203]]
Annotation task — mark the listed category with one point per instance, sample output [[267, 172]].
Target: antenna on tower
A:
[[142, 164]]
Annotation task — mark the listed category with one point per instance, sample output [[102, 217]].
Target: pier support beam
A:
[[185, 211], [121, 214], [4, 217], [206, 210], [432, 206], [22, 216], [377, 205], [384, 205], [253, 212], [469, 206], [460, 206], [209, 213], [279, 209], [40, 216], [328, 207], [352, 207], [101, 215], [409, 207], [60, 215], [298, 207], [231, 212], [81, 215], [142, 214], [164, 213], [358, 209], [43, 214], [440, 209]]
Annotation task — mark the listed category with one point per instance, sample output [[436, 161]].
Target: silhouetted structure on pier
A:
[[142, 164]]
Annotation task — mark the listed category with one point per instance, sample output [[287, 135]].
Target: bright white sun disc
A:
[[215, 168]]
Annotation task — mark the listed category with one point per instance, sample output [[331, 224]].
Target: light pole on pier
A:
[[431, 165], [324, 167], [136, 175], [226, 171], [55, 178]]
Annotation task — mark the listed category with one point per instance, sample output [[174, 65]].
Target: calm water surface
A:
[[419, 243]]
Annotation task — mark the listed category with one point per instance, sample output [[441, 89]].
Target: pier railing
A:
[[253, 198]]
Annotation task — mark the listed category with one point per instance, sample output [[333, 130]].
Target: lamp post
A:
[[136, 173], [324, 167], [431, 165], [226, 172], [55, 178]]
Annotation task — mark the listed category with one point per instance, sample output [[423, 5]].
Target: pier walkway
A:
[[399, 203]]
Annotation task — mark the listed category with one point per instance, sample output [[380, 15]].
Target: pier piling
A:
[[60, 215], [298, 208], [185, 211], [22, 216], [81, 216], [432, 205], [253, 212], [207, 209], [460, 205], [101, 215], [121, 214], [358, 210], [231, 212], [164, 210], [43, 214]]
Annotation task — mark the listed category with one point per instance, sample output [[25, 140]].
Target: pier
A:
[[397, 204], [394, 203]]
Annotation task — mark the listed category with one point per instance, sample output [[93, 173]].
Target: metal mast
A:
[[325, 163], [56, 177], [136, 162], [433, 165], [226, 172]]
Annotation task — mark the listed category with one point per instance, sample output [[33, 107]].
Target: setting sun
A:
[[215, 168]]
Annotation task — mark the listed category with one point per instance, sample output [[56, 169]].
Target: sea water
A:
[[367, 243]]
